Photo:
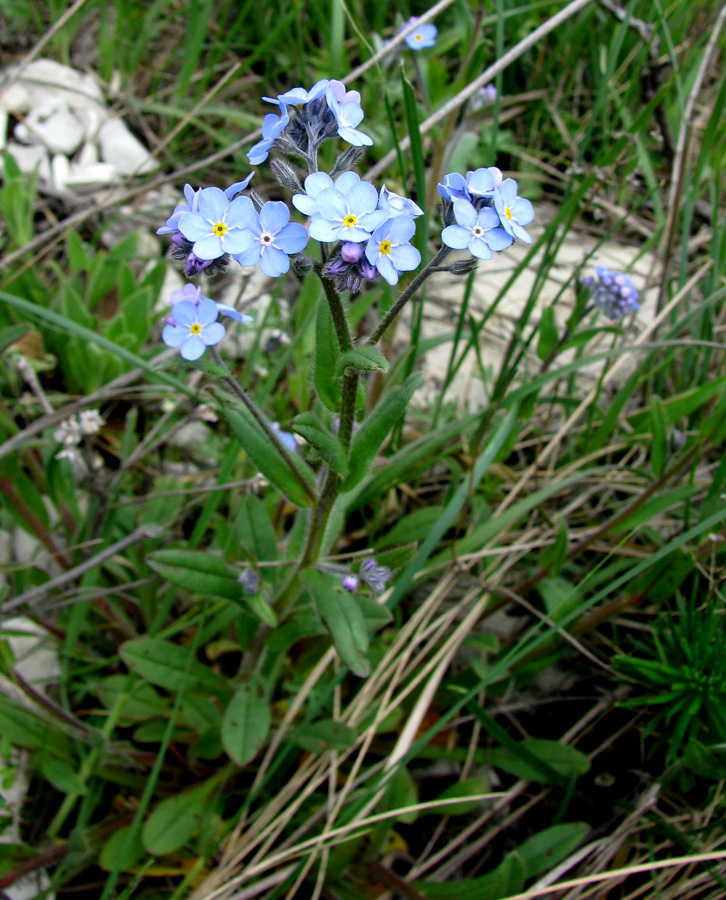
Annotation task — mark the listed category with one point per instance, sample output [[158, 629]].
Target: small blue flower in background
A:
[[192, 204], [249, 579], [613, 294], [389, 249], [346, 108], [476, 231], [195, 327], [286, 438], [193, 294], [272, 128], [421, 37], [218, 226], [375, 576], [346, 212], [396, 205], [299, 96], [273, 238], [513, 211]]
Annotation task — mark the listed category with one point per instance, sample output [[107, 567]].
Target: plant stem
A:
[[406, 294], [337, 311], [262, 422]]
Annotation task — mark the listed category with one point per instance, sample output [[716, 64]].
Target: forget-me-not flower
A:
[[272, 128], [348, 113], [477, 231], [375, 576], [513, 211], [193, 294], [307, 203], [422, 36], [218, 226], [346, 212], [196, 328], [192, 197], [389, 249], [274, 238], [396, 205]]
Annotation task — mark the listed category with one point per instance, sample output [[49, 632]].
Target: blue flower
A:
[[192, 204], [286, 438], [192, 294], [422, 36], [396, 205], [513, 211], [454, 187], [195, 327], [475, 231], [389, 249], [614, 294], [478, 187], [299, 96], [346, 108], [218, 226], [346, 212], [272, 127], [274, 237], [375, 576]]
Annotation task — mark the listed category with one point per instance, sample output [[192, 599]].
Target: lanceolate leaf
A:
[[246, 723], [326, 443], [376, 428], [363, 359], [327, 353], [342, 617], [167, 665]]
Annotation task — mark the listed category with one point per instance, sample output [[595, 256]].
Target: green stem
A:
[[337, 311], [406, 294], [262, 422]]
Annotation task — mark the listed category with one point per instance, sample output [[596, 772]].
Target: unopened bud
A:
[[351, 252], [463, 266], [347, 160], [302, 264], [285, 175]]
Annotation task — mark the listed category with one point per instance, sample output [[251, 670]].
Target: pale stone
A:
[[60, 169], [88, 155], [120, 148], [3, 128], [53, 125], [15, 98], [92, 177], [31, 159], [35, 651]]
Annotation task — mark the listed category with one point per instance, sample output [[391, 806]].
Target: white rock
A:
[[120, 148], [30, 159], [92, 177], [34, 650], [60, 169], [53, 125], [15, 98], [3, 128], [88, 155]]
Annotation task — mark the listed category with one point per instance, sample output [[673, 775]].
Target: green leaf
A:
[[246, 723], [11, 334], [342, 617], [62, 775], [547, 848], [325, 735], [175, 820], [24, 728], [327, 444], [375, 429], [198, 572], [269, 460], [167, 665], [659, 427], [375, 614], [467, 788], [413, 527], [548, 336], [254, 529], [507, 879], [120, 853], [363, 359], [327, 353], [655, 506], [566, 761], [553, 556]]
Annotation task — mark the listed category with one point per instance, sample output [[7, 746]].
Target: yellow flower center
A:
[[418, 37], [508, 213], [219, 229], [385, 247], [350, 221], [196, 328]]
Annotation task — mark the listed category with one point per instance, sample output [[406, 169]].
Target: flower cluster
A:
[[483, 212], [613, 293], [325, 111], [375, 576], [352, 212], [192, 325]]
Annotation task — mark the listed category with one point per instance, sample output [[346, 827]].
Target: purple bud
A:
[[350, 583], [179, 240], [249, 579], [351, 252], [368, 271], [194, 265]]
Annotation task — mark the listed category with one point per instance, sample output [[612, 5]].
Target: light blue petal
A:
[[292, 238], [370, 221], [237, 240], [258, 154], [238, 186], [317, 182], [487, 218], [209, 247], [249, 257], [456, 237], [387, 269], [185, 313], [174, 336], [274, 215], [193, 348], [274, 262], [207, 311], [464, 213], [372, 251], [520, 233], [189, 194], [307, 205], [213, 204], [355, 138], [405, 257], [351, 113], [232, 313], [403, 229], [508, 191], [347, 181], [498, 239], [242, 214], [194, 226], [332, 205], [323, 229], [523, 211], [212, 334], [355, 233], [480, 249], [362, 198], [481, 182]]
